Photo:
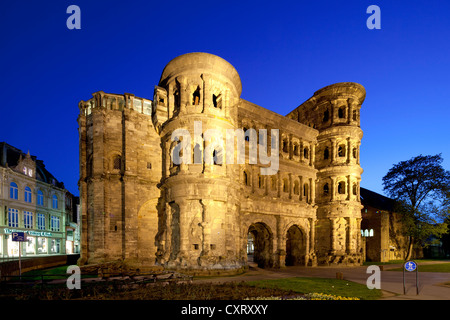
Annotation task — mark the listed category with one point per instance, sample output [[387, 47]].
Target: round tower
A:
[[194, 104], [339, 173]]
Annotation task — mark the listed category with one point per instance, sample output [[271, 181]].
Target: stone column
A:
[[332, 236], [312, 155], [312, 227], [349, 150], [184, 227], [349, 187], [184, 94], [207, 95]]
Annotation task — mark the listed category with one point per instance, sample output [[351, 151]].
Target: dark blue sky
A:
[[283, 51]]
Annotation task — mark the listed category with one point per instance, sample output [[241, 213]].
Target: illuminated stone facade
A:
[[140, 207]]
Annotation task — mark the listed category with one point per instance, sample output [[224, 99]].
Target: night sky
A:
[[283, 51]]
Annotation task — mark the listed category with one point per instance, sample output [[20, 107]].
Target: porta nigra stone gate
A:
[[142, 209]]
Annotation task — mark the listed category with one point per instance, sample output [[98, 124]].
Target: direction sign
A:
[[19, 236], [410, 266]]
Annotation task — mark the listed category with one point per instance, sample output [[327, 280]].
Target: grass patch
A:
[[51, 274], [438, 267], [335, 287], [117, 290]]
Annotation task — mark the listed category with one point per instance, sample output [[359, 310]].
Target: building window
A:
[[306, 153], [40, 221], [355, 189], [341, 113], [274, 183], [196, 97], [40, 198], [326, 189], [27, 219], [285, 185], [54, 223], [55, 202], [285, 145], [27, 194], [13, 191], [117, 163], [217, 101], [341, 151], [306, 192], [326, 153], [13, 217], [326, 116], [341, 187], [246, 178], [261, 181], [296, 188]]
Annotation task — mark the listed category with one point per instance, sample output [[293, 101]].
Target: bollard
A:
[[339, 276]]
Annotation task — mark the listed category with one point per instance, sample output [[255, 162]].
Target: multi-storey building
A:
[[31, 201], [210, 211]]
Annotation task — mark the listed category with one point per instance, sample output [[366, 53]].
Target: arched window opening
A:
[[341, 150], [246, 178], [55, 202], [285, 145], [13, 191], [40, 198], [274, 183], [27, 194], [261, 181], [217, 101], [285, 185], [341, 113], [326, 153], [366, 233], [306, 153], [341, 187], [296, 188], [296, 148], [217, 157], [306, 192], [354, 115], [371, 233], [326, 116], [355, 189], [326, 189], [196, 97], [117, 165], [354, 153]]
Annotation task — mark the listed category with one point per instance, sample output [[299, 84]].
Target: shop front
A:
[[38, 243]]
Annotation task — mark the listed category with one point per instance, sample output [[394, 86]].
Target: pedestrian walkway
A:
[[431, 284]]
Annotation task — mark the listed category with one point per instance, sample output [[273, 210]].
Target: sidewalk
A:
[[430, 283]]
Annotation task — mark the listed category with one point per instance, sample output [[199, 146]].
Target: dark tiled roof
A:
[[376, 200]]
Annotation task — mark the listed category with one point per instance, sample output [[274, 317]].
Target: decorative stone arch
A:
[[296, 245], [263, 239]]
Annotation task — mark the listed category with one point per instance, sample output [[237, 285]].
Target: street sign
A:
[[19, 236], [410, 266]]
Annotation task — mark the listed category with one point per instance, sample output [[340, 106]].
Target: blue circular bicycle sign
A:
[[410, 266]]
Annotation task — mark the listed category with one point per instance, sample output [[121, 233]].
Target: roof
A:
[[376, 200], [10, 157]]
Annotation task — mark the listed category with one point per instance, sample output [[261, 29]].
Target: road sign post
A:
[[411, 266], [19, 237]]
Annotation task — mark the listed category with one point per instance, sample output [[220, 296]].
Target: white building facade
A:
[[31, 201]]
